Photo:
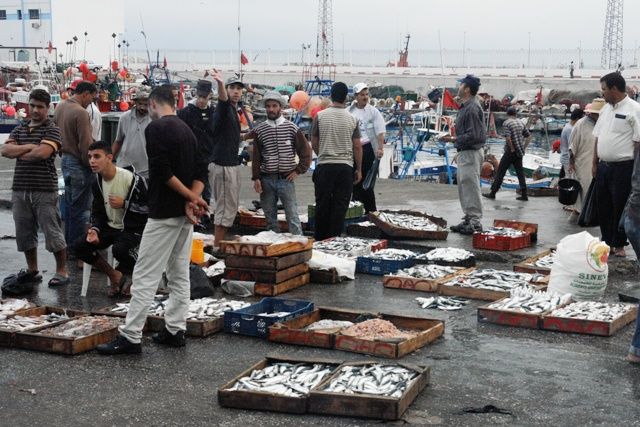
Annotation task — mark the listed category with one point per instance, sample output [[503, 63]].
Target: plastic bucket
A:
[[568, 190]]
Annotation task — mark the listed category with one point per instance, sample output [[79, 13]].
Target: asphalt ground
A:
[[539, 377]]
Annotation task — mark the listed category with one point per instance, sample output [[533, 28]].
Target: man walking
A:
[[73, 120], [274, 167], [514, 148], [34, 145], [372, 130], [177, 173], [129, 148], [617, 131], [335, 138], [118, 217], [470, 138]]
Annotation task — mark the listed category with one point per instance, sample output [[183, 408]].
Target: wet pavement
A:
[[541, 378]]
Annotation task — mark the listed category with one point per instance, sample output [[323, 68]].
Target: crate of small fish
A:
[[355, 210], [488, 284], [12, 306], [451, 257], [385, 261], [422, 277], [410, 225], [350, 247], [255, 319], [537, 264], [523, 308], [31, 318], [277, 384], [501, 239], [369, 389], [527, 227], [590, 317], [73, 336]]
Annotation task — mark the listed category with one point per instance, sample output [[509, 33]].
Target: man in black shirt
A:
[[177, 172]]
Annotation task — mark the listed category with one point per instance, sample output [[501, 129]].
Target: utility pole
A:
[[613, 32]]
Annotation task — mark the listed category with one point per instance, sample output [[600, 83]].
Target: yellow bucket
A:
[[197, 251]]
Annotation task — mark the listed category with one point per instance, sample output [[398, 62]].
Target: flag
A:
[[243, 59], [448, 101], [164, 63], [50, 47], [181, 97]]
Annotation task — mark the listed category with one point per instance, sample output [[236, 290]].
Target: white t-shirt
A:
[[616, 129], [118, 186], [96, 121], [370, 121]]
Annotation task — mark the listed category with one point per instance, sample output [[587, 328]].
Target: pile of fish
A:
[[328, 324], [377, 329], [494, 280], [355, 204], [285, 378], [83, 326], [442, 303], [426, 271], [364, 224], [271, 238], [446, 254], [393, 254], [534, 302], [375, 379], [199, 309], [591, 310], [22, 323], [9, 307], [410, 222], [351, 246], [545, 261], [274, 314], [503, 232]]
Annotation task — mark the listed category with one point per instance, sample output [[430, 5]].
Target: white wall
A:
[[25, 32]]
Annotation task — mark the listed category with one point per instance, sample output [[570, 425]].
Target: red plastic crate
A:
[[500, 243]]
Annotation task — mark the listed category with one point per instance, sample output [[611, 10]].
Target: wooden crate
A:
[[268, 276], [527, 227], [430, 330], [293, 332], [273, 289], [415, 284], [267, 263], [33, 340], [528, 265], [589, 327], [7, 337], [233, 247], [509, 318], [367, 406], [18, 312], [399, 232], [330, 276], [261, 401]]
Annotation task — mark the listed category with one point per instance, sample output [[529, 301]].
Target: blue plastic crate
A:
[[380, 267], [247, 322]]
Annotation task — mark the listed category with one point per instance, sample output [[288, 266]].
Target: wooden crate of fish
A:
[[385, 261], [276, 263], [366, 229], [389, 336], [268, 276], [523, 309], [273, 289], [325, 277], [255, 319], [31, 318], [73, 336], [451, 257], [538, 264], [12, 306], [315, 329], [341, 395], [488, 284], [591, 318], [419, 281], [279, 384], [501, 239], [410, 225], [354, 247], [527, 227], [233, 247]]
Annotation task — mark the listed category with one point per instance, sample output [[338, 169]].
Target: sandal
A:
[[59, 280]]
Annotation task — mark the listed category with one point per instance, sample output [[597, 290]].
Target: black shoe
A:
[[523, 198], [165, 338], [468, 229], [476, 226], [120, 345], [491, 195], [457, 228]]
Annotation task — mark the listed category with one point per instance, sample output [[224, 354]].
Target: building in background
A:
[[24, 23]]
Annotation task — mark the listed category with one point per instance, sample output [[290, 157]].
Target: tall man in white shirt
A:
[[617, 131]]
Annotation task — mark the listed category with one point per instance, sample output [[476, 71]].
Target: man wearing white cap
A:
[[372, 130]]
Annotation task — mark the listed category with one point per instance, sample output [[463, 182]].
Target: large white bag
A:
[[324, 261], [580, 267]]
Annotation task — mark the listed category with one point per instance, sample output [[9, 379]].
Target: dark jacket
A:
[[226, 125], [470, 131], [136, 209], [201, 123]]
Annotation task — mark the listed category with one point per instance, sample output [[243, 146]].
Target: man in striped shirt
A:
[[274, 167], [34, 145]]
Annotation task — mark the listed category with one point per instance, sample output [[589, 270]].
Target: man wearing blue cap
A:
[[470, 138]]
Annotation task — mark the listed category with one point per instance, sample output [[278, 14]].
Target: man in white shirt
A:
[[617, 132], [372, 130]]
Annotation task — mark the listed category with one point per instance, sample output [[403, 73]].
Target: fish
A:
[[328, 324], [23, 323], [372, 379], [533, 302], [409, 222], [503, 231], [442, 303], [393, 254], [544, 262], [426, 271], [83, 326], [199, 309], [495, 280], [10, 306], [446, 254], [346, 246], [592, 310], [274, 314]]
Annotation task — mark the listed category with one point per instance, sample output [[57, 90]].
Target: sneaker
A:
[[164, 337], [491, 195], [468, 229], [120, 345], [476, 226], [457, 228]]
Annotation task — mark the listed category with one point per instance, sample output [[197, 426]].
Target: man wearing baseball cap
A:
[[372, 130], [470, 138], [129, 147]]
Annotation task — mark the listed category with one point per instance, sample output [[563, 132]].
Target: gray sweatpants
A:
[[166, 243], [469, 167]]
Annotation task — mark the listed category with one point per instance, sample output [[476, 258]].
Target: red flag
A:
[[243, 59], [448, 101], [181, 97], [164, 63], [50, 47], [538, 98]]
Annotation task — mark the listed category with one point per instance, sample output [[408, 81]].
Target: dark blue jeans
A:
[[632, 227], [77, 197], [274, 188]]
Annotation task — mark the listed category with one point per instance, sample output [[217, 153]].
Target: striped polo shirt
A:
[[37, 175], [276, 141], [336, 129]]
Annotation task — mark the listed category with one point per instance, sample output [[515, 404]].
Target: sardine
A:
[[393, 254], [442, 303], [495, 280], [503, 231], [374, 379], [294, 380], [592, 310], [23, 323], [10, 306], [534, 302], [446, 254], [426, 271], [409, 222], [199, 309]]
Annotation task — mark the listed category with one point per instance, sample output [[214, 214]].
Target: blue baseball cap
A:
[[470, 80]]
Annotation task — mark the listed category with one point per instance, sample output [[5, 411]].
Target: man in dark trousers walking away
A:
[[517, 138], [335, 138]]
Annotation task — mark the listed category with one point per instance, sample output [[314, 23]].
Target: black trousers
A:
[[124, 248], [613, 186], [333, 186], [509, 158], [367, 197]]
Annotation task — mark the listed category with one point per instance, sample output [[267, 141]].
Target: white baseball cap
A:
[[357, 88]]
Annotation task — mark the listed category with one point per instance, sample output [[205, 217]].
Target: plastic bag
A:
[[323, 261], [201, 286], [370, 179], [238, 288], [589, 212], [580, 267]]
